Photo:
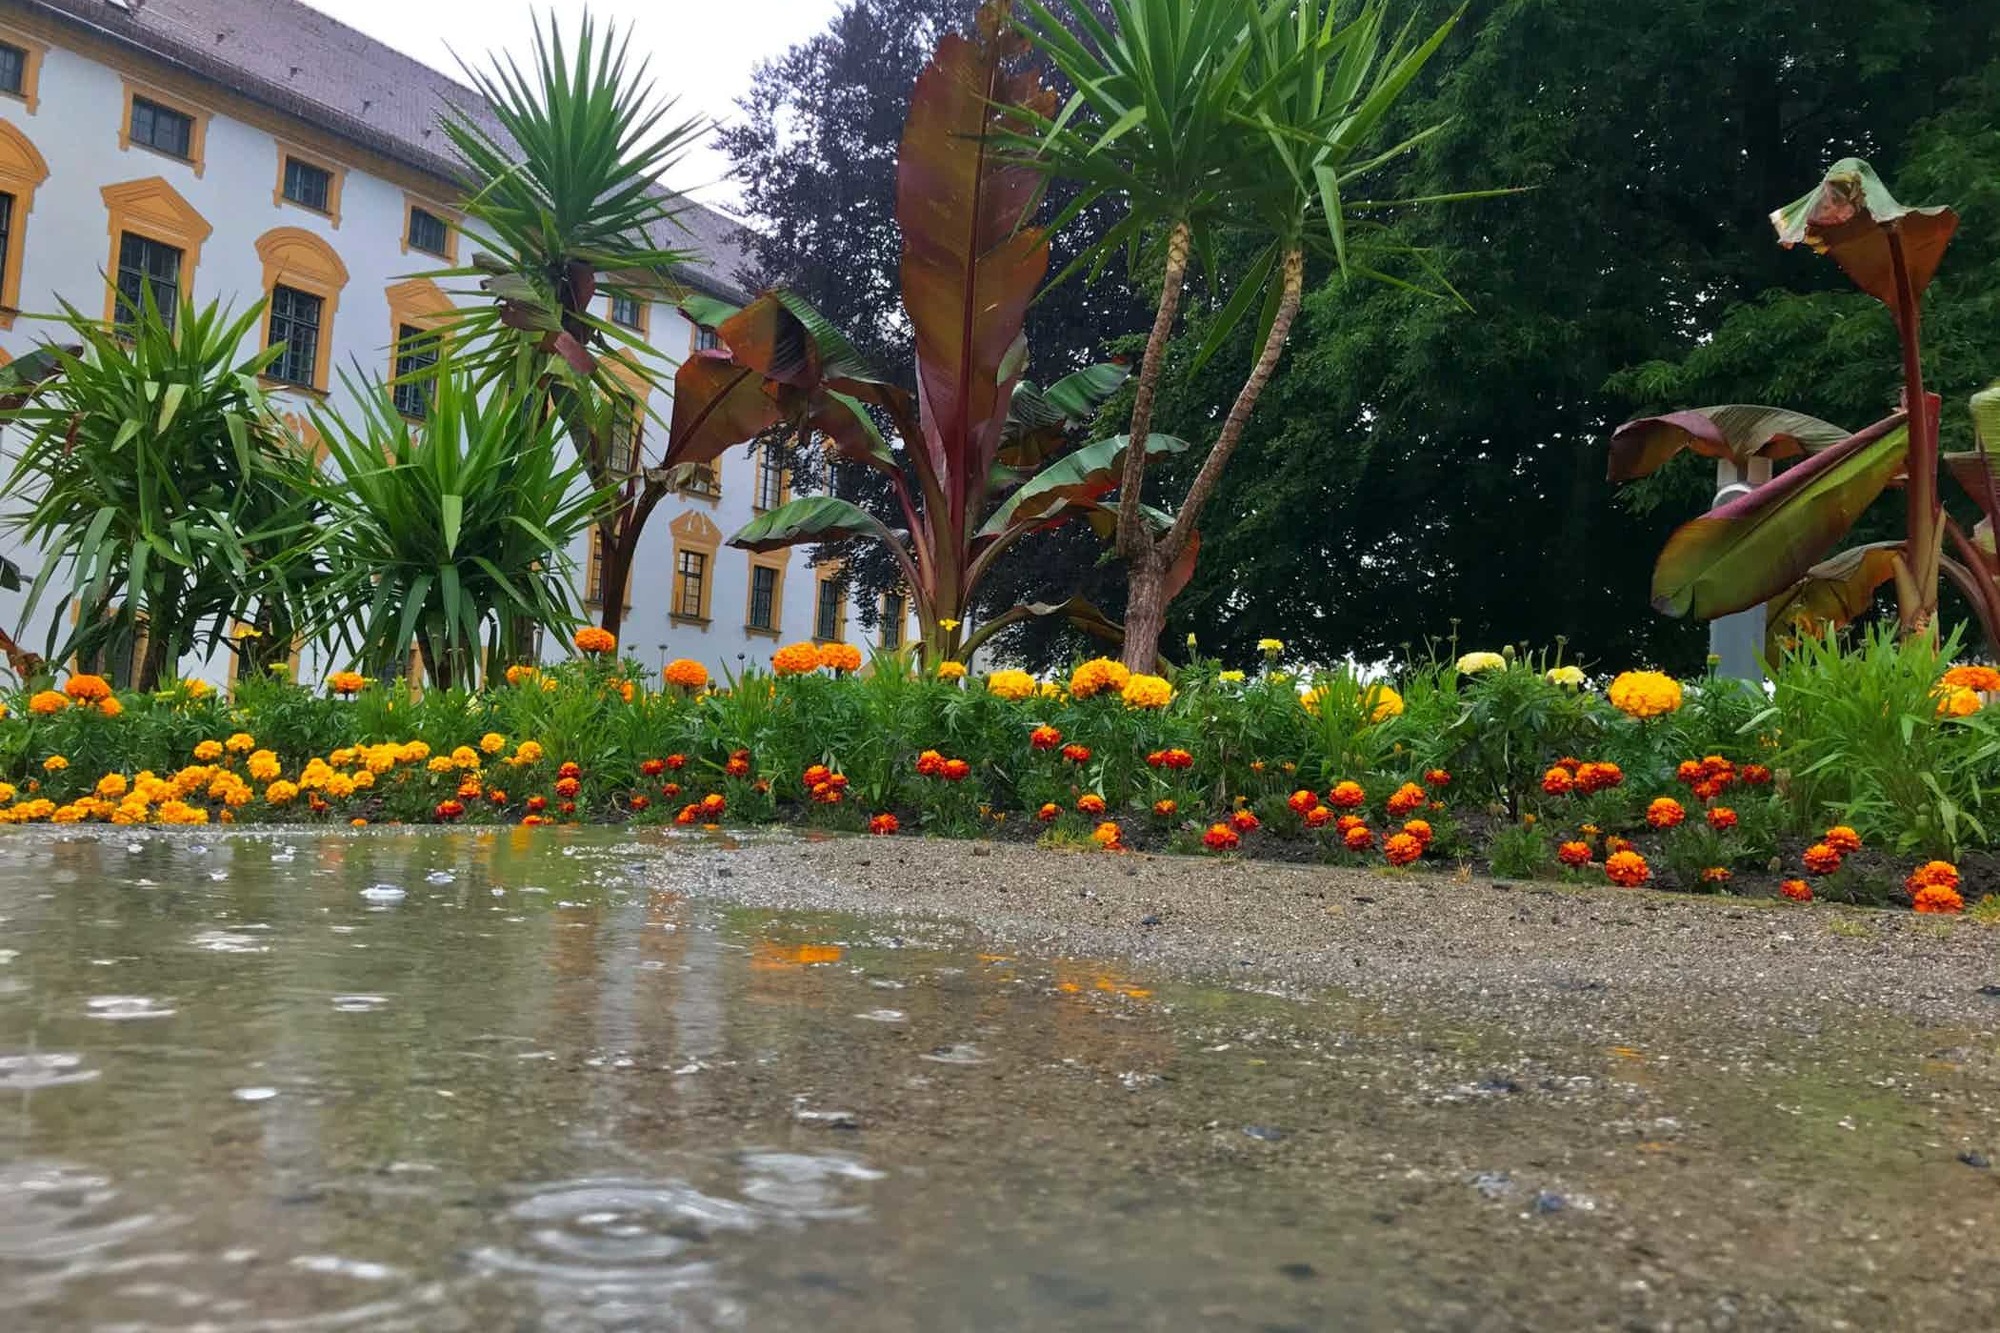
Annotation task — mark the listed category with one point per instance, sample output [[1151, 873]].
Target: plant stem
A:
[[1131, 527], [1921, 489]]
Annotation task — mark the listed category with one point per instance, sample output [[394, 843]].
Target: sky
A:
[[700, 50]]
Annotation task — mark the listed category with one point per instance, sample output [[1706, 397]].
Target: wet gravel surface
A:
[[1558, 955]]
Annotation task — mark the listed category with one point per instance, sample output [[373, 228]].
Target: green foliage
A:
[[1523, 851], [1513, 723]]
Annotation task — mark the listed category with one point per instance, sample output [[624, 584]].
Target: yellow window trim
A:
[[757, 482], [153, 209], [645, 314], [30, 95], [286, 152], [416, 303], [902, 622], [778, 564], [296, 258], [22, 170], [449, 216], [694, 532], [590, 564], [197, 134], [822, 574]]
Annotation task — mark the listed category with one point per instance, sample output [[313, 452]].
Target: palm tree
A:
[[563, 164]]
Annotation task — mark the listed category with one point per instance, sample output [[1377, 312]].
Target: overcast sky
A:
[[701, 50]]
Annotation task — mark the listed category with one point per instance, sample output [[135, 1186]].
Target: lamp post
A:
[[1736, 641]]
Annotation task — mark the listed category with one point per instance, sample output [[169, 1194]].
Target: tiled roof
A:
[[296, 60]]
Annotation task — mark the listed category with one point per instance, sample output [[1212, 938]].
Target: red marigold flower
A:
[[499, 797], [1689, 772], [815, 775], [1090, 803], [1628, 870], [1796, 889], [1346, 822], [1420, 829], [1244, 821], [1615, 844], [883, 825], [1595, 777], [1302, 801], [637, 802], [652, 768], [1842, 839], [568, 787], [1359, 838], [688, 814], [1346, 795], [1574, 854], [1076, 754], [1436, 777], [677, 761], [572, 769], [1932, 874], [567, 808], [1406, 798], [1715, 766], [1401, 849], [470, 790], [449, 809], [1157, 759], [1665, 812], [1821, 859], [1936, 899], [1182, 759], [713, 804], [1557, 781], [670, 789], [1755, 775], [955, 770], [1221, 838], [929, 764], [738, 765], [537, 804], [1721, 818], [1049, 812], [1715, 876], [1319, 816], [1165, 808], [1045, 738], [1708, 789]]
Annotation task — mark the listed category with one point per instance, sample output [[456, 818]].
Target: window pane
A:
[[892, 621], [13, 68], [693, 570], [307, 184], [625, 310], [826, 621], [705, 338], [627, 433], [295, 327], [763, 596], [770, 478], [146, 265], [6, 225], [416, 352], [161, 128], [427, 232]]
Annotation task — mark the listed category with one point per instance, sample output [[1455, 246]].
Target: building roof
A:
[[310, 66]]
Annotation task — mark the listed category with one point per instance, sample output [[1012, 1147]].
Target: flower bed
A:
[[1491, 763]]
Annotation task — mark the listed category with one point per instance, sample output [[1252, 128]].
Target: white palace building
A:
[[257, 149]]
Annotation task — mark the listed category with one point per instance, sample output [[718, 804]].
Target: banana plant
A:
[[1775, 544], [977, 456]]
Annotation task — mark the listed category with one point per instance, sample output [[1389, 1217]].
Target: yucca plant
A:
[[1205, 117], [564, 202], [166, 496], [447, 536]]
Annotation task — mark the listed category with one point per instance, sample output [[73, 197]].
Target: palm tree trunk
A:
[[1131, 527]]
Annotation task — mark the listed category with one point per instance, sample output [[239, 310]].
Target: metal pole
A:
[[1736, 641]]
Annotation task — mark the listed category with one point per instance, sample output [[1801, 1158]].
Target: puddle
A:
[[530, 1091]]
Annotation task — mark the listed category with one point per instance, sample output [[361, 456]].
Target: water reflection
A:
[[538, 1087]]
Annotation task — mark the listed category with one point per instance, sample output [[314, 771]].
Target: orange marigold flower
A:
[[1090, 803], [1689, 772], [1401, 849], [1574, 854], [1628, 870], [569, 768], [109, 706], [1165, 808], [85, 688], [1665, 812], [795, 659], [1755, 775], [1797, 890], [1182, 759], [48, 701], [1721, 818], [1107, 835], [950, 670], [1076, 754], [1346, 795], [1958, 703], [1821, 859], [520, 672], [1049, 812], [713, 804], [685, 673], [537, 804], [1936, 899], [1557, 781], [568, 787], [652, 768], [347, 682], [1044, 738], [449, 810], [1221, 838], [883, 825], [1436, 777], [1842, 839], [1420, 829], [1301, 801], [1932, 874], [1319, 816], [738, 765], [1406, 798], [1096, 676], [956, 770], [840, 657], [1244, 821], [592, 639], [930, 764], [1984, 679], [1594, 777], [1359, 838], [1714, 876], [638, 801], [687, 814], [1616, 844]]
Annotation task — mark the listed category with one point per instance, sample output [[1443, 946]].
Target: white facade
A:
[[79, 182]]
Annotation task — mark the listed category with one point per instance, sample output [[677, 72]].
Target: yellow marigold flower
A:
[[949, 670], [1230, 677], [795, 659], [1142, 691], [1270, 647], [46, 702], [591, 639], [519, 672], [109, 706], [1382, 703], [340, 786], [1096, 676], [411, 752], [55, 763], [1958, 702], [685, 673], [240, 743], [1644, 694], [264, 765], [465, 757], [492, 742], [196, 688], [1010, 684], [1566, 675], [86, 688], [341, 758], [363, 780], [839, 657], [1473, 663], [208, 751], [281, 793], [112, 785], [528, 752], [549, 685], [7, 792], [441, 764]]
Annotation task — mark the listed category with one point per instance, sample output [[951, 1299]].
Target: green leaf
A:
[[453, 516], [1833, 592], [1736, 432], [1851, 215], [1073, 479], [811, 518]]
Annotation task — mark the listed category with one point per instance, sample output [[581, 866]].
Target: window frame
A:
[[294, 321], [694, 533], [336, 180], [296, 258], [29, 94], [702, 338], [425, 357], [765, 452], [416, 303], [197, 118], [153, 209], [775, 567], [22, 171], [123, 302], [900, 620], [450, 219], [699, 576], [637, 324], [829, 577]]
